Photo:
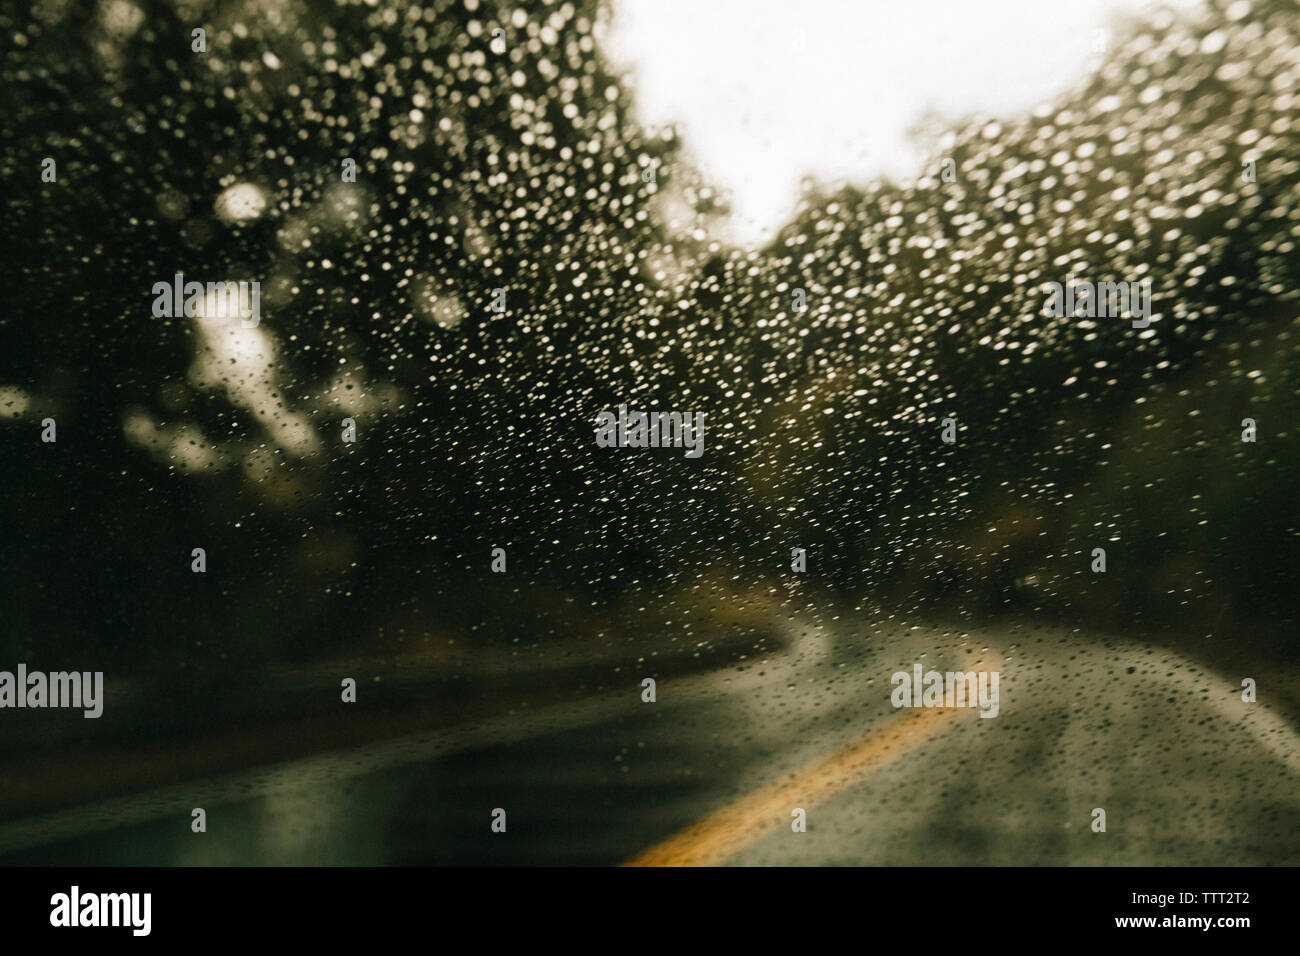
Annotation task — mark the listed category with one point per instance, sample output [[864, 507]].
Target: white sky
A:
[[764, 92]]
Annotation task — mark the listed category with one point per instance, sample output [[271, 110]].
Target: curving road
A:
[[1186, 772]]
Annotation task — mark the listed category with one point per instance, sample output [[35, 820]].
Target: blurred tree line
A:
[[522, 171]]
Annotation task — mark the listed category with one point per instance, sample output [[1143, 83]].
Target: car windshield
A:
[[412, 437]]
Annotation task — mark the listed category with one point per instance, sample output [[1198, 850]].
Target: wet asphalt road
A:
[[711, 772]]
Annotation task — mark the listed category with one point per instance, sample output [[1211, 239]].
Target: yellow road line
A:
[[726, 832]]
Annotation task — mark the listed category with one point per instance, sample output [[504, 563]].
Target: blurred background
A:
[[650, 184]]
